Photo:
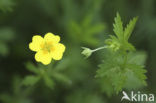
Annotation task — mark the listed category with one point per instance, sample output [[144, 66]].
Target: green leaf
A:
[[128, 46], [61, 77], [121, 41], [118, 81], [48, 81], [132, 82], [86, 30], [106, 86], [31, 67], [139, 72], [138, 58], [123, 68], [118, 27], [129, 28], [86, 22], [117, 78], [111, 69], [30, 80], [97, 28], [119, 75]]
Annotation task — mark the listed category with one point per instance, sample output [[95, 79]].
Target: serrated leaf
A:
[[122, 67], [138, 58], [129, 28], [105, 68], [118, 81], [121, 75], [110, 68], [129, 47], [139, 72], [122, 36], [106, 86], [30, 80], [132, 82], [118, 27]]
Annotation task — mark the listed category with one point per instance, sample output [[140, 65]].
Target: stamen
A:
[[47, 47]]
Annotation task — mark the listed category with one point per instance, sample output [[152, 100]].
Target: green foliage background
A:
[[79, 23]]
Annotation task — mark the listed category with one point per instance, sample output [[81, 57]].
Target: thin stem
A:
[[97, 49]]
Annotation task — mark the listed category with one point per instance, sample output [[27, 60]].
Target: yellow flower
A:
[[47, 48]]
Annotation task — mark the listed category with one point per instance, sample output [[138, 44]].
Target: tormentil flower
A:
[[47, 48]]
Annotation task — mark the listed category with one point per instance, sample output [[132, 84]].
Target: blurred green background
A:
[[79, 23]]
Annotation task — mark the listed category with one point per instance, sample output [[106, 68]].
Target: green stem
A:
[[97, 49], [125, 60]]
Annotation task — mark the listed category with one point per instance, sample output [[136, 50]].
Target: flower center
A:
[[47, 47]]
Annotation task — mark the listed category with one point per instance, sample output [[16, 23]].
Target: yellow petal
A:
[[35, 45], [43, 57], [52, 38], [58, 52]]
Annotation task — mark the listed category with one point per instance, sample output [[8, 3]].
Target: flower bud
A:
[[114, 45], [86, 52]]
